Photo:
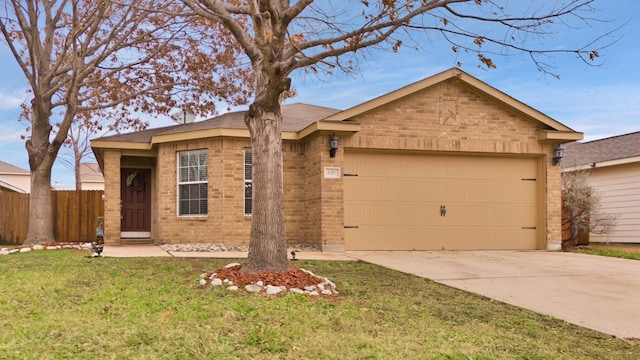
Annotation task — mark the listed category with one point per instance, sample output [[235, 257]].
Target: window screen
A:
[[248, 184], [192, 183]]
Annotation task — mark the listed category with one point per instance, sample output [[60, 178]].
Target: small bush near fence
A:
[[75, 216]]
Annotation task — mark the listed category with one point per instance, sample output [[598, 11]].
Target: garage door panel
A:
[[395, 202]]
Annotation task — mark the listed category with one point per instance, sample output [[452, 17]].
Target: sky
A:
[[600, 101]]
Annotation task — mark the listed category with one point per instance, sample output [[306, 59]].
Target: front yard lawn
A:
[[620, 251], [62, 305]]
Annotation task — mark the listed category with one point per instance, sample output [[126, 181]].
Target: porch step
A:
[[136, 241]]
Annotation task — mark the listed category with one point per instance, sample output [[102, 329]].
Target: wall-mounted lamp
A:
[[333, 141], [559, 155]]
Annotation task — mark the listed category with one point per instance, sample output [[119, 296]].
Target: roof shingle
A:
[[6, 168], [295, 117], [613, 148]]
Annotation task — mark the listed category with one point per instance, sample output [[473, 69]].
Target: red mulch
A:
[[292, 278]]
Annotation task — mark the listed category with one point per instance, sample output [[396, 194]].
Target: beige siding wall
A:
[[619, 189], [22, 182]]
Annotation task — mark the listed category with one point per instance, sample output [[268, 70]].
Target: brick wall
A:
[[452, 117], [225, 222], [112, 197]]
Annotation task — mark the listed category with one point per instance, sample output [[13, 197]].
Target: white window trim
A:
[[247, 181], [178, 183]]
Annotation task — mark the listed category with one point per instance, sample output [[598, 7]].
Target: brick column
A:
[[331, 196], [112, 210], [554, 202]]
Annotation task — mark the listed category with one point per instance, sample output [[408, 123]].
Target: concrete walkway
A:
[[600, 293]]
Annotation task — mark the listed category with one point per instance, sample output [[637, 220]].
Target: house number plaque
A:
[[332, 173]]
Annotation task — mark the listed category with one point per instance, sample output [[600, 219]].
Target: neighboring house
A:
[[448, 163], [14, 179], [614, 171], [91, 177]]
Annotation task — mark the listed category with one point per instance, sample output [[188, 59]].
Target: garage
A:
[[398, 201]]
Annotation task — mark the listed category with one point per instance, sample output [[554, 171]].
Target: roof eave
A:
[[337, 126], [559, 136]]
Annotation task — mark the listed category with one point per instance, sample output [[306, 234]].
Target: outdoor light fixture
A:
[[559, 154], [333, 140]]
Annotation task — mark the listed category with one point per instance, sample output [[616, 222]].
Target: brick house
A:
[[448, 162]]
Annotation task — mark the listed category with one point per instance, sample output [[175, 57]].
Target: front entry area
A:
[[135, 194], [438, 202]]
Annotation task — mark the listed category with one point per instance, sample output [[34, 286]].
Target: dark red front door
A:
[[135, 193]]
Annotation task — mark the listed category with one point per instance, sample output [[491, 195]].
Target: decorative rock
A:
[[203, 275], [231, 265], [330, 283], [232, 288], [313, 293], [13, 251], [37, 247], [203, 282], [308, 272], [326, 292], [260, 283], [4, 252], [53, 247], [24, 250], [296, 291], [272, 290], [216, 282], [321, 286], [309, 288], [253, 288]]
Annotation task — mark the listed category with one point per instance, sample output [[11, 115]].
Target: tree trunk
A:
[[40, 229], [42, 154], [267, 247]]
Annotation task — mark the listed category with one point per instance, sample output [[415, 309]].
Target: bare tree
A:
[[80, 134], [83, 57], [582, 213], [281, 36]]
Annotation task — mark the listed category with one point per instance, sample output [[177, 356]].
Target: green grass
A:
[[62, 305], [624, 252]]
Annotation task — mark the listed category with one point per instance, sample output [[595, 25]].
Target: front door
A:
[[135, 194]]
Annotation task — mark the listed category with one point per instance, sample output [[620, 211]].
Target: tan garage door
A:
[[417, 202]]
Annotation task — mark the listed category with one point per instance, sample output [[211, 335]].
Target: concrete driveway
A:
[[596, 292]]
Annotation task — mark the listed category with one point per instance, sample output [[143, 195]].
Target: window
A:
[[248, 184], [192, 183]]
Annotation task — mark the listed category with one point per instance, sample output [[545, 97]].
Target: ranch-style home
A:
[[446, 163]]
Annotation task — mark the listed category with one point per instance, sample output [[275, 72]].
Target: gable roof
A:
[[6, 168], [12, 188], [614, 150], [551, 129]]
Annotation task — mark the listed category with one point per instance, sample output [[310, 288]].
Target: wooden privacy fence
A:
[[75, 216]]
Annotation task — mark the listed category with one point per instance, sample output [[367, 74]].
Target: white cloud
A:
[[9, 101]]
